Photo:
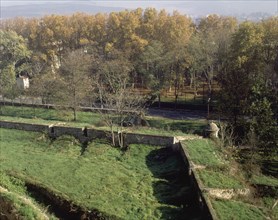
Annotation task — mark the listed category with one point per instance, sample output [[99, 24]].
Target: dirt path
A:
[[27, 201]]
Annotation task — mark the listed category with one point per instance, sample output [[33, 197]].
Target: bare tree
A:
[[114, 93]]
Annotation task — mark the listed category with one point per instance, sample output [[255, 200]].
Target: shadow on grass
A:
[[172, 188], [270, 167]]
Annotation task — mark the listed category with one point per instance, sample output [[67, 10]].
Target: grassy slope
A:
[[130, 185], [14, 192], [217, 174]]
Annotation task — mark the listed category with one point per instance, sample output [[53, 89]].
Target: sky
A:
[[197, 7]]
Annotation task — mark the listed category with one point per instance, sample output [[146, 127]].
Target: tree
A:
[[151, 67], [214, 33], [48, 86], [249, 88], [196, 61], [243, 70], [262, 116], [74, 73], [114, 91], [13, 59], [177, 33]]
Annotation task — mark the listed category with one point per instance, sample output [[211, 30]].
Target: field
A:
[[144, 182]]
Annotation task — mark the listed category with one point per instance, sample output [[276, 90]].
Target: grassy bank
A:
[[15, 202], [145, 182], [219, 170]]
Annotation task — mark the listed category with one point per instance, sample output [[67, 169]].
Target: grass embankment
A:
[[158, 125], [220, 171], [144, 182], [15, 203]]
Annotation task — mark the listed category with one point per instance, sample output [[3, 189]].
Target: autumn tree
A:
[[13, 59], [176, 39], [196, 62], [213, 37], [150, 67], [74, 74]]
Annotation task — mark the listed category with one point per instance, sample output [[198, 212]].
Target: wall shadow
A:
[[173, 187]]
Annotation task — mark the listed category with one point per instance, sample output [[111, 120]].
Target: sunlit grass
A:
[[17, 196], [158, 125], [130, 185], [204, 152], [237, 210], [221, 171]]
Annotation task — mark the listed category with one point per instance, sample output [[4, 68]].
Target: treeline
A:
[[155, 50]]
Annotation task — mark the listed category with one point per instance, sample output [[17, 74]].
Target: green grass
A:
[[14, 196], [180, 126], [49, 114], [264, 180], [221, 171], [158, 125], [219, 179], [237, 210], [204, 152], [135, 184], [268, 203]]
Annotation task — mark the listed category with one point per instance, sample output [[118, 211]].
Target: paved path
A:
[[177, 114]]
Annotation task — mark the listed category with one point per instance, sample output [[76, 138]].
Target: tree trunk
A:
[[159, 100], [209, 88], [191, 82], [112, 136], [74, 114], [176, 93]]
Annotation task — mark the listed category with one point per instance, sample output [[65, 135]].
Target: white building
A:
[[22, 82]]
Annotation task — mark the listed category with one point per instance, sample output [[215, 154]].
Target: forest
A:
[[112, 58]]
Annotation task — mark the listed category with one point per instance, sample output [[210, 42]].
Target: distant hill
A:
[[39, 10]]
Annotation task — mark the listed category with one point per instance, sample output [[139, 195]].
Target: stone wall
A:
[[88, 134], [24, 126], [196, 184]]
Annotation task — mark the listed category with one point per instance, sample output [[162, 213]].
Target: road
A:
[[177, 114]]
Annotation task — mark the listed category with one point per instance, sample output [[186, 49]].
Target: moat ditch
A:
[[173, 188], [66, 177], [62, 208]]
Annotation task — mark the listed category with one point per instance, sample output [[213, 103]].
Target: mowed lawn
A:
[[158, 125], [144, 182]]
